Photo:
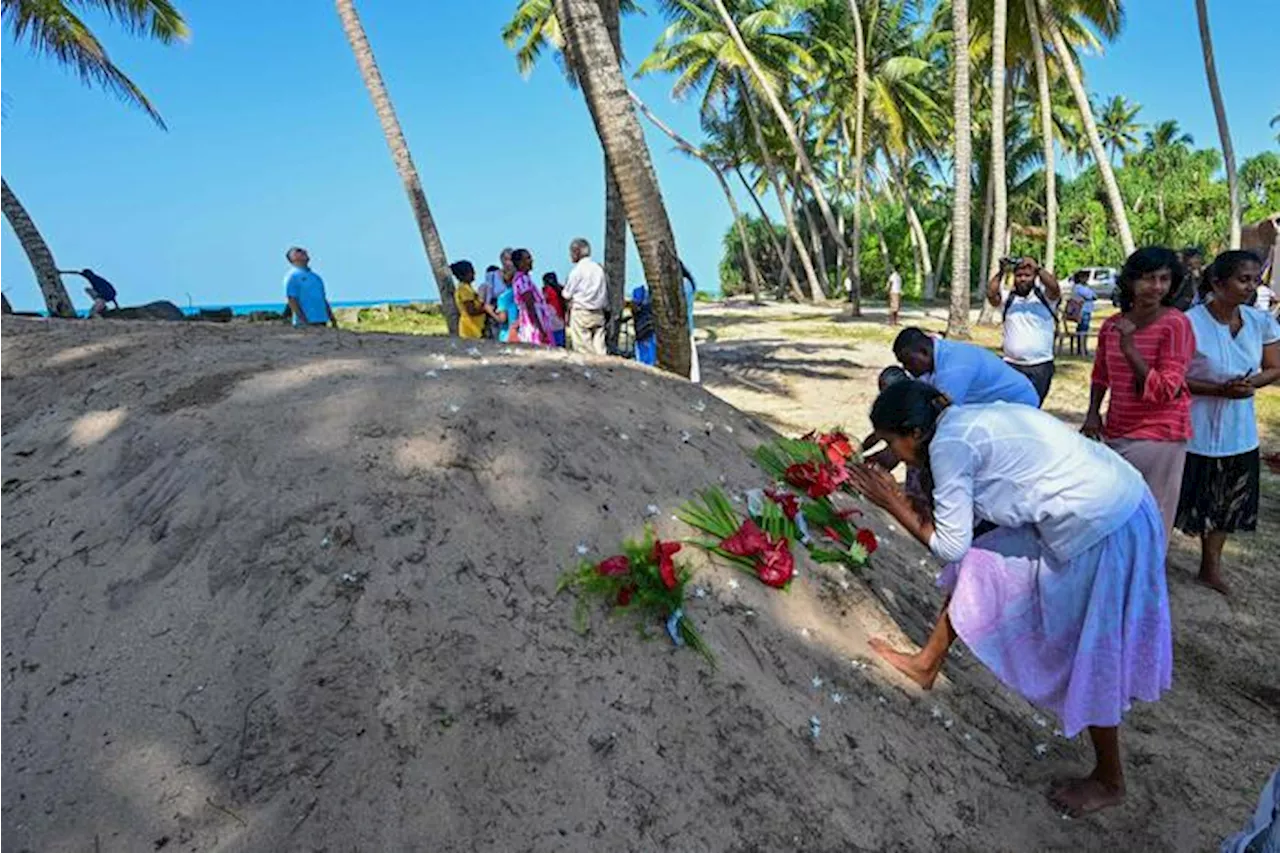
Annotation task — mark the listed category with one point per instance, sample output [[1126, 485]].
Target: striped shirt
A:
[[1161, 411]]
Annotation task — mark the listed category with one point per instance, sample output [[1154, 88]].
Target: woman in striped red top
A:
[[1142, 360]]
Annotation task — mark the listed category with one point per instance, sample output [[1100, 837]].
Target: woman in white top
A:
[[1065, 601], [1237, 352]]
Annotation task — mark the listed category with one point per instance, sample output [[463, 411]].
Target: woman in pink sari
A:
[[535, 322]]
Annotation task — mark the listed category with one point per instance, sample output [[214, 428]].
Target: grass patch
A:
[[415, 319]]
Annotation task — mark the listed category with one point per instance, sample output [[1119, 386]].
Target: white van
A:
[[1102, 280]]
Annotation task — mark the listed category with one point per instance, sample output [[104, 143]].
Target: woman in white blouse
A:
[[1065, 601], [1237, 352]]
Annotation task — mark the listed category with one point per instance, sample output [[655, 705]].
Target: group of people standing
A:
[[1056, 540], [509, 306]]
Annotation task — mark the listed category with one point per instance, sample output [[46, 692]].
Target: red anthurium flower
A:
[[618, 565], [834, 534], [790, 503], [747, 542], [837, 446], [867, 540], [776, 566], [818, 480], [662, 553], [846, 514], [624, 595]]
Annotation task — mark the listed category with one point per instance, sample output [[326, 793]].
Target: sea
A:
[[277, 307]]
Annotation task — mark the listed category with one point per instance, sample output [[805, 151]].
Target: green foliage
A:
[[778, 455]]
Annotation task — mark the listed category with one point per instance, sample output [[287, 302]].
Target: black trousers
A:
[[1041, 376]]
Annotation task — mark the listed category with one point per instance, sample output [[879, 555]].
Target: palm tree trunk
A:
[[818, 256], [1220, 113], [918, 235], [788, 127], [1046, 140], [958, 316], [943, 246], [784, 258], [56, 301], [860, 96], [1108, 175], [615, 219], [885, 256], [753, 274], [788, 216], [605, 89], [431, 242], [986, 312], [997, 176]]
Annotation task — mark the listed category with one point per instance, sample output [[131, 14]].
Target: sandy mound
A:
[[269, 590]]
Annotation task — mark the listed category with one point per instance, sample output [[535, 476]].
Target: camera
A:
[[1008, 263]]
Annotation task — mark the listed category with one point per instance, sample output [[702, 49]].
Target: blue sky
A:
[[273, 141]]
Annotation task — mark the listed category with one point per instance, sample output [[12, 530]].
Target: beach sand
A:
[[269, 589]]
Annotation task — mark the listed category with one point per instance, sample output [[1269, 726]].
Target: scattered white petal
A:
[[804, 632], [644, 383], [838, 698], [723, 479], [324, 543], [728, 429], [1039, 721], [844, 584], [347, 577], [454, 408], [582, 549], [587, 374], [555, 374], [1042, 749], [750, 613], [924, 561], [935, 712], [624, 436], [733, 583], [453, 345], [446, 366], [439, 356], [699, 406], [816, 681], [957, 651], [882, 699], [684, 436], [431, 374], [484, 361], [709, 427], [675, 518], [736, 498], [651, 509], [968, 736], [699, 592], [474, 352], [892, 529], [1057, 733], [815, 727], [946, 724]]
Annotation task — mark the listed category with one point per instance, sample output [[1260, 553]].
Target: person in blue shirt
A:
[[505, 314], [305, 291], [99, 290], [966, 373]]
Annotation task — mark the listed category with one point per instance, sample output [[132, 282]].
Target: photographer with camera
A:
[[1029, 318]]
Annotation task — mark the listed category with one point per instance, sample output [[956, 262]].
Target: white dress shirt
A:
[[1221, 426], [1015, 465], [587, 286]]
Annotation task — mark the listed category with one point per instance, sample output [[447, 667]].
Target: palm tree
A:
[[431, 242], [1117, 127], [1166, 135], [1053, 24], [958, 317], [591, 51], [532, 29], [753, 274], [1220, 113], [999, 180], [1044, 96], [56, 301], [52, 29], [859, 154]]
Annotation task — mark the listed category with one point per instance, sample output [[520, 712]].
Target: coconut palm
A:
[[1054, 22], [958, 317], [1045, 103], [753, 274], [431, 242], [999, 180], [1220, 114], [590, 50], [1117, 127], [52, 29], [1166, 135], [531, 31]]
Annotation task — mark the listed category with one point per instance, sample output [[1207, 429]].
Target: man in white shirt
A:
[[586, 295], [895, 295], [1029, 317]]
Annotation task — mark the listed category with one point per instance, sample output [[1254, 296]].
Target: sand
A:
[[277, 590]]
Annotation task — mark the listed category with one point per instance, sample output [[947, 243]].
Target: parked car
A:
[[1102, 280]]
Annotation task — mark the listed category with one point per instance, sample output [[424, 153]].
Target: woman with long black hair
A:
[[1065, 601]]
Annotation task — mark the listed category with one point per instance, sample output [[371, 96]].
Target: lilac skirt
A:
[[1080, 639]]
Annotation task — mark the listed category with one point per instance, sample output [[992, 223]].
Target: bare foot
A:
[[1214, 582], [1081, 796], [907, 664]]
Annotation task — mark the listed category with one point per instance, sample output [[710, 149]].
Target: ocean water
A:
[[277, 307]]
